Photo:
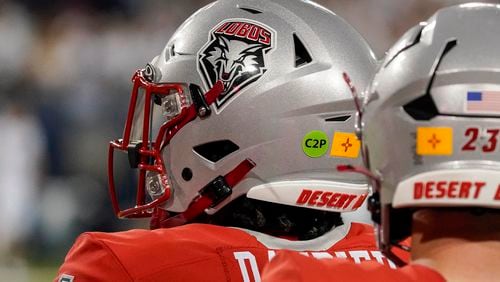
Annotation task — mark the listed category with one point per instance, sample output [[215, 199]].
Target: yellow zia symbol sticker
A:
[[345, 145], [436, 141]]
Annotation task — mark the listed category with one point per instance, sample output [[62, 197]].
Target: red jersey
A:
[[289, 266], [201, 252]]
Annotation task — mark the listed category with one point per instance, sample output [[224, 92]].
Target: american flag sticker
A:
[[483, 102]]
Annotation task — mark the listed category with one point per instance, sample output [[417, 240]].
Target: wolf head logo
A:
[[235, 54], [234, 59]]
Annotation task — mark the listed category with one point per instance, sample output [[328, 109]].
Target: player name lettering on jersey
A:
[[247, 261], [448, 189], [320, 198], [246, 30], [357, 256]]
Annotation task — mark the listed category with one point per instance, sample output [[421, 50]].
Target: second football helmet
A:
[[431, 122]]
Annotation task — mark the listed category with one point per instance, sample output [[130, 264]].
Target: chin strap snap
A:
[[210, 196]]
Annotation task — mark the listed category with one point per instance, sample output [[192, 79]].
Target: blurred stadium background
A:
[[65, 67]]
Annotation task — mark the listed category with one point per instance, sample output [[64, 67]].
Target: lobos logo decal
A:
[[235, 54]]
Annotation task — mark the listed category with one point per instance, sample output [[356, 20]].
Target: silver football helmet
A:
[[275, 121], [431, 121]]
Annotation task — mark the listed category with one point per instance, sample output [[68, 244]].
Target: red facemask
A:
[[143, 143]]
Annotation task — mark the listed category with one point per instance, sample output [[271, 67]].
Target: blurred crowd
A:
[[65, 68]]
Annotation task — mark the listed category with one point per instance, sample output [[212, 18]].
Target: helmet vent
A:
[[216, 150], [410, 44], [302, 56], [338, 118], [251, 10], [424, 108], [172, 51]]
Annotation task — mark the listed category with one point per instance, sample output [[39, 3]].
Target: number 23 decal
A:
[[473, 134]]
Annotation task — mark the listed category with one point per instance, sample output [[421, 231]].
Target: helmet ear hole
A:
[[216, 150], [187, 174]]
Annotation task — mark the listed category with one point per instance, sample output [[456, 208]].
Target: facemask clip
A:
[[202, 108]]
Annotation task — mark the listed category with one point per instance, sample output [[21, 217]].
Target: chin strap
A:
[[210, 196]]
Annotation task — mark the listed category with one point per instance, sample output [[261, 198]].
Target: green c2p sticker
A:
[[315, 144]]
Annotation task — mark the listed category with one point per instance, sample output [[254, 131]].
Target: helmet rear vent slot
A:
[[216, 150], [422, 108], [338, 118]]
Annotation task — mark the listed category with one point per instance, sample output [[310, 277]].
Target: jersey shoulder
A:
[[360, 236], [137, 254], [287, 265]]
